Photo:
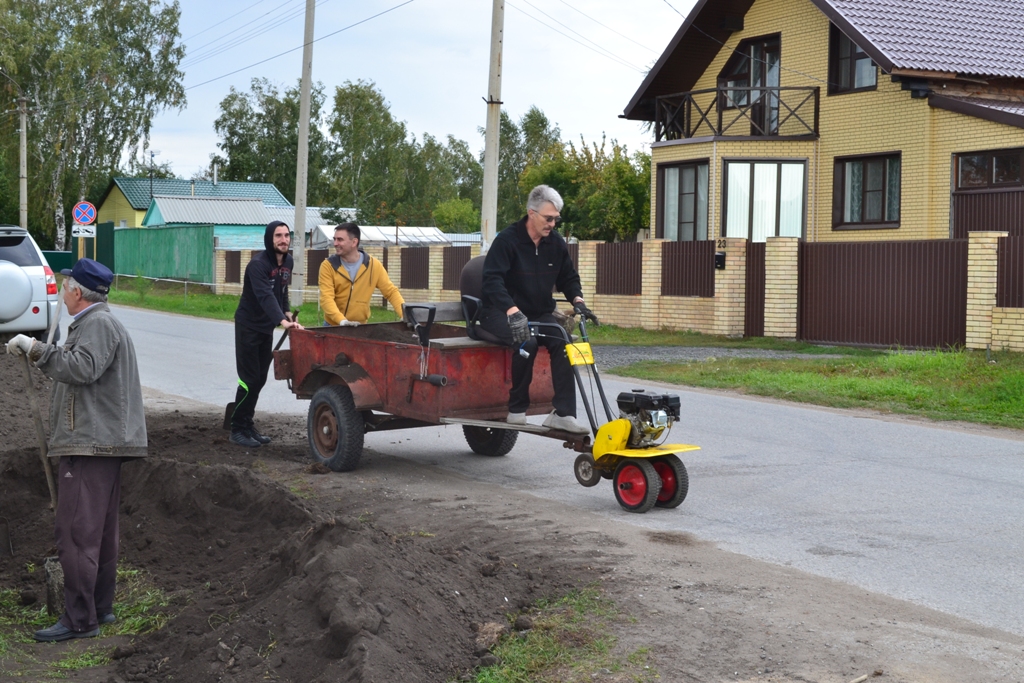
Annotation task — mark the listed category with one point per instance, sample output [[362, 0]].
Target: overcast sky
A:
[[580, 64]]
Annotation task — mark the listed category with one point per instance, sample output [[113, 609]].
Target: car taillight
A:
[[51, 281]]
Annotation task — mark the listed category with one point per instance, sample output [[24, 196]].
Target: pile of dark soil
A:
[[268, 580]]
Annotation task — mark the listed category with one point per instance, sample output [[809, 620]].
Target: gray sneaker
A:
[[565, 424], [243, 438], [516, 419]]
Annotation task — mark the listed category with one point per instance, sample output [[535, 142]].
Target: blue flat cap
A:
[[91, 275]]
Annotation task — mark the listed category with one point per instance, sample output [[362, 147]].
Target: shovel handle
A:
[[40, 433]]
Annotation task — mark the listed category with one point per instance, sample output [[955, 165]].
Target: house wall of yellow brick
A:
[[116, 208], [887, 119]]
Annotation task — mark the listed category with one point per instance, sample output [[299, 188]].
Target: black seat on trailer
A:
[[471, 283]]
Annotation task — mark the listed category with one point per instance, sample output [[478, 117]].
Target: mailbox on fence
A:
[[719, 260]]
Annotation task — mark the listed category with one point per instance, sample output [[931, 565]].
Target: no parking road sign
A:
[[84, 213]]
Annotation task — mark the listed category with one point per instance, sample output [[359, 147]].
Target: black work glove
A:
[[582, 309], [519, 326]]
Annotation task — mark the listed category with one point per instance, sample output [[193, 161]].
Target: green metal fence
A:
[[59, 260], [180, 253]]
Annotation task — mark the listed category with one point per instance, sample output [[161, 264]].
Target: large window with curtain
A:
[[866, 192], [764, 199], [683, 204]]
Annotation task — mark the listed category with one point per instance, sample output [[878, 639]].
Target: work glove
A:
[[568, 322], [519, 326], [349, 323], [582, 309], [20, 345]]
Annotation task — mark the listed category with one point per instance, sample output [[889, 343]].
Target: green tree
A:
[[96, 73], [522, 145], [457, 215], [259, 139], [606, 191]]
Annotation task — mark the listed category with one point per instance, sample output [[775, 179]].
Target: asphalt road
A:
[[922, 512]]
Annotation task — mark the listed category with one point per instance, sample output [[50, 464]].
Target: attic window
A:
[[850, 68]]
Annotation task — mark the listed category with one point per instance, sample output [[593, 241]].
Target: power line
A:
[[606, 56], [568, 28], [281, 54], [198, 50], [606, 26], [674, 9], [229, 17]]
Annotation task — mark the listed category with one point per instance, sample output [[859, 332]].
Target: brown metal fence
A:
[[688, 268], [455, 259], [232, 266], [315, 257], [619, 268], [574, 254], [911, 294], [753, 309], [416, 268], [1010, 281], [384, 259], [1002, 211]]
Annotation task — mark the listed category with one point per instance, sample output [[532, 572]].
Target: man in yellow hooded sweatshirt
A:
[[348, 279]]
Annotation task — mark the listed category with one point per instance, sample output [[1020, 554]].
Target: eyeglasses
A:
[[553, 220]]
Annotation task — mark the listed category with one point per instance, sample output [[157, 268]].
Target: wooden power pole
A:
[[489, 203], [302, 165]]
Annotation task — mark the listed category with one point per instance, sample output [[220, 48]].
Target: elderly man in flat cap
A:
[[96, 421]]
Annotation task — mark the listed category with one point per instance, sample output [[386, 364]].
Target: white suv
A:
[[28, 289]]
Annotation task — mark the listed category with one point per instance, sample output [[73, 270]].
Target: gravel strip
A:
[[617, 356]]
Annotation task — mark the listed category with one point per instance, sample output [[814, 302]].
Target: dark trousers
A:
[[86, 532], [253, 354], [496, 322]]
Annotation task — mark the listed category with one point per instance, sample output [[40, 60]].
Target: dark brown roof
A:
[[970, 37], [1009, 113]]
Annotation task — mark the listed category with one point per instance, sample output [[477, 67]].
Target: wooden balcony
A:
[[780, 113]]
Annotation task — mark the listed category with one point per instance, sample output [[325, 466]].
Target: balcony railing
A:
[[760, 112]]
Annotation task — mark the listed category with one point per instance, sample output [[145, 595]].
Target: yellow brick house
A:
[[838, 120]]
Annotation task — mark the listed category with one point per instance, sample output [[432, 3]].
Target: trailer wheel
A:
[[636, 485], [586, 473], [334, 428], [674, 481], [487, 441]]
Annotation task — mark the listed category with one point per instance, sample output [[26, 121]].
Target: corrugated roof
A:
[[314, 215], [975, 37], [210, 211], [1000, 111], [137, 190], [971, 37]]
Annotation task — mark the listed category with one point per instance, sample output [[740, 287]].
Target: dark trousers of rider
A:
[[496, 322], [253, 355]]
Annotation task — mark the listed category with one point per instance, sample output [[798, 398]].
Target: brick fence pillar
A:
[[982, 275], [780, 292], [587, 269], [650, 292], [435, 277], [731, 288], [395, 265]]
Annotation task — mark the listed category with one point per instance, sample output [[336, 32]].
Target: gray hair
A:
[[541, 195], [89, 295]]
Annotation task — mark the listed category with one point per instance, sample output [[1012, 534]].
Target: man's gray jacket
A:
[[96, 403]]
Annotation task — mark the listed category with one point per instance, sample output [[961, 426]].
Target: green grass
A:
[[570, 642], [140, 607], [941, 385], [170, 297], [634, 336]]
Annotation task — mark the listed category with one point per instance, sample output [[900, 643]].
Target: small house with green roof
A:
[[127, 200]]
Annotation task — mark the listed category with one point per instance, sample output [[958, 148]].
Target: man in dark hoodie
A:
[[262, 307], [527, 260]]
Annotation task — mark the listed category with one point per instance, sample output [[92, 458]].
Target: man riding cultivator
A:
[[526, 262]]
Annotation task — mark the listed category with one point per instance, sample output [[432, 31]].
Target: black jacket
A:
[[265, 288], [519, 273]]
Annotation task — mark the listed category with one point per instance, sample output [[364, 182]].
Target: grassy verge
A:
[[941, 385], [570, 642], [140, 608], [634, 336]]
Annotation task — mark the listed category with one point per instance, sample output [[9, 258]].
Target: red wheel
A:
[[674, 481], [636, 485]]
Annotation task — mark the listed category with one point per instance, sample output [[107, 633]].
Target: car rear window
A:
[[18, 249]]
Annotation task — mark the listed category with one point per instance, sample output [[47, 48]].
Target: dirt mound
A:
[[264, 578]]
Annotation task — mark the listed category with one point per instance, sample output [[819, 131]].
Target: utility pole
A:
[[489, 204], [302, 162], [23, 163]]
